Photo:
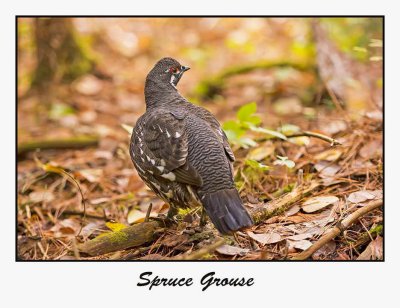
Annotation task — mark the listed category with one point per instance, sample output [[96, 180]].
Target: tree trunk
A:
[[60, 56]]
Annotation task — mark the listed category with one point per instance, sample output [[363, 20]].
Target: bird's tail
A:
[[226, 210]]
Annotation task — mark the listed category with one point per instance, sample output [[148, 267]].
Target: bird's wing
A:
[[209, 118], [162, 145]]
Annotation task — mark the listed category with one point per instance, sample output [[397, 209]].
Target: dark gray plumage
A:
[[182, 154]]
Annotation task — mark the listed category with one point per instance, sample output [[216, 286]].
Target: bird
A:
[[182, 154]]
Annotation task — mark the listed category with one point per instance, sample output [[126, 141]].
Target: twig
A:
[[198, 254], [332, 141], [335, 231], [58, 170], [146, 219], [68, 143]]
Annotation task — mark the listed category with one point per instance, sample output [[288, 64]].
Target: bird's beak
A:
[[185, 68]]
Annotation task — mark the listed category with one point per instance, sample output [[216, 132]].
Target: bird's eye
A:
[[173, 70]]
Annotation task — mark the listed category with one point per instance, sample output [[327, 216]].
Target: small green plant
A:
[[284, 161], [247, 121]]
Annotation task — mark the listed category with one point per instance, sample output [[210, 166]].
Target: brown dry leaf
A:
[[317, 203], [41, 196], [173, 240], [92, 175], [293, 210], [329, 155], [374, 250], [361, 196], [261, 152], [266, 238], [100, 200], [66, 228], [232, 250], [302, 245], [371, 149], [136, 216], [88, 85], [326, 169], [325, 250], [299, 237]]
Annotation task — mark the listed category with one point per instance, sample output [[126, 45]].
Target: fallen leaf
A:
[[92, 175], [41, 196], [374, 250], [88, 85], [115, 226], [100, 200], [324, 251], [232, 250], [326, 169], [371, 149], [266, 238], [329, 155], [299, 237], [302, 245], [361, 196], [293, 210], [317, 203], [136, 216], [173, 240], [261, 152]]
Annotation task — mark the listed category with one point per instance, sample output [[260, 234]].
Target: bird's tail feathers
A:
[[226, 210]]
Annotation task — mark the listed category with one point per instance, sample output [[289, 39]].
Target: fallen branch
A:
[[132, 236], [283, 203], [68, 143], [145, 232], [332, 141], [209, 87], [335, 231]]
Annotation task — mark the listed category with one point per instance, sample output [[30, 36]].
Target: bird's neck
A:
[[158, 94]]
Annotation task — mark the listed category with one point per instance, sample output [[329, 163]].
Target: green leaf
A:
[[245, 112], [256, 165], [58, 111], [287, 129], [246, 142], [268, 132], [284, 161]]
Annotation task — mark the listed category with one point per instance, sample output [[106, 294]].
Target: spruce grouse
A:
[[183, 155]]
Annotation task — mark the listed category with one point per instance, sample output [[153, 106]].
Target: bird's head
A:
[[167, 72]]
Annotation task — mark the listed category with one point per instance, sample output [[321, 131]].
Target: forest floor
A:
[[84, 186]]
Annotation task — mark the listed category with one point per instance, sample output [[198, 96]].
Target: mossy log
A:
[[211, 86], [145, 232], [129, 237], [68, 143]]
